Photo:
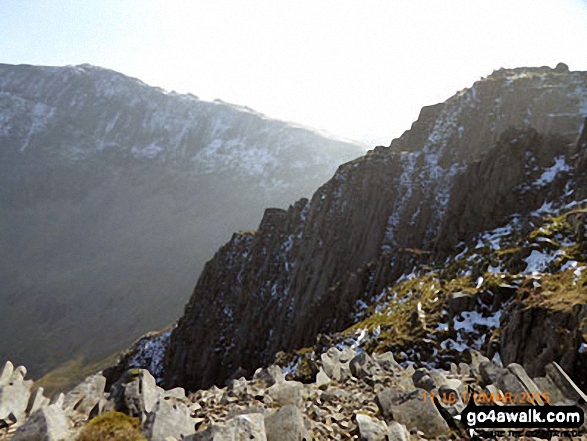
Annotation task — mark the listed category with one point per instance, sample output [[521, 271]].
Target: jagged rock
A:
[[508, 382], [169, 417], [423, 380], [322, 379], [6, 374], [387, 362], [336, 363], [177, 392], [243, 427], [14, 392], [552, 393], [136, 393], [363, 366], [398, 432], [567, 386], [287, 424], [465, 369], [488, 372], [47, 424], [288, 392], [84, 397], [413, 410], [270, 375], [523, 377], [37, 401], [371, 429]]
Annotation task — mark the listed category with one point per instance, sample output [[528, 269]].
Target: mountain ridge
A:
[[390, 200], [113, 194]]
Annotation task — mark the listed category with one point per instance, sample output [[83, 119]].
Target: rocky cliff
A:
[[113, 194], [458, 171]]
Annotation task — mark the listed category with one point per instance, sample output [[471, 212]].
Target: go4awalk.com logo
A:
[[552, 419]]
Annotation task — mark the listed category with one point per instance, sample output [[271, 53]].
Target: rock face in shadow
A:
[[113, 194], [306, 269]]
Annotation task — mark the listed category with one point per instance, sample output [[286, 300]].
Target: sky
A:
[[356, 69]]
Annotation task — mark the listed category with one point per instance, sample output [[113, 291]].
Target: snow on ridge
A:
[[550, 173]]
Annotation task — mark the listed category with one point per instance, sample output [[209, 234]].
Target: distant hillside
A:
[[113, 194]]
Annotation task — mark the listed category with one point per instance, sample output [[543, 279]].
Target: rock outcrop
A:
[[307, 269], [394, 403]]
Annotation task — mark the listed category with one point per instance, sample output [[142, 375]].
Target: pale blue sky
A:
[[355, 71]]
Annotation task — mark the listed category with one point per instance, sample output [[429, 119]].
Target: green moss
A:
[[112, 426]]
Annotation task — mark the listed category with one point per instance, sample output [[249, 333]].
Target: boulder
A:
[[250, 427], [336, 363], [136, 393], [46, 424], [15, 392], [269, 375], [398, 432], [288, 392], [371, 429], [37, 401], [387, 362], [363, 366], [84, 397], [170, 417], [413, 410], [523, 377], [488, 372], [563, 382], [287, 424], [6, 373], [423, 380]]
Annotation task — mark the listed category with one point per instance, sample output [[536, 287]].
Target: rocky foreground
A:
[[354, 396]]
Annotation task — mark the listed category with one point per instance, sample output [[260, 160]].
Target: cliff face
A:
[[308, 268], [113, 194]]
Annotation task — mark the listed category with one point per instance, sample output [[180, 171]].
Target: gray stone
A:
[[476, 360], [371, 429], [509, 383], [413, 410], [270, 375], [423, 380], [46, 424], [249, 427], [6, 374], [488, 372], [169, 418], [136, 393], [177, 392], [521, 375], [363, 366], [567, 386], [287, 424], [398, 432], [465, 369], [336, 363], [37, 401], [322, 379], [86, 395], [387, 362], [288, 392], [14, 393], [552, 394]]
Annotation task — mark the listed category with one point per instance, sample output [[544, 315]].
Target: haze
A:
[[358, 72]]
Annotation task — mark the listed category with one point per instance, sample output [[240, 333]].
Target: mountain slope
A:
[[113, 194], [306, 269]]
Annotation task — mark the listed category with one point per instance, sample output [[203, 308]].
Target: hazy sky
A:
[[357, 71]]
